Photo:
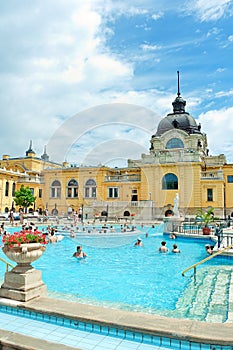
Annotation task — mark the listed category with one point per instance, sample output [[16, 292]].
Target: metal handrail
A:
[[7, 264], [194, 266]]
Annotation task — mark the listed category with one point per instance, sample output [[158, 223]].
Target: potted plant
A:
[[24, 246], [23, 282], [205, 217]]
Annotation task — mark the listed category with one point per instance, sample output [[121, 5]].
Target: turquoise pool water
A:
[[137, 278]]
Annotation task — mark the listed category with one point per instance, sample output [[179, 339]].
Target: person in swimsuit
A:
[[175, 249], [163, 248], [139, 242], [79, 253]]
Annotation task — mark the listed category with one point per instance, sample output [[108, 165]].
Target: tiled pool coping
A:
[[180, 329]]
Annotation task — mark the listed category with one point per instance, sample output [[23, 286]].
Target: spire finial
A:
[[178, 76], [179, 103], [44, 156], [30, 150]]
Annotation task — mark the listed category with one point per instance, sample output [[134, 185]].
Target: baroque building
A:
[[178, 162]]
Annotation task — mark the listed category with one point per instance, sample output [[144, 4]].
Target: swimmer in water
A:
[[79, 253]]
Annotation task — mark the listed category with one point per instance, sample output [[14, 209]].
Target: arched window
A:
[[72, 189], [7, 189], [55, 189], [90, 189], [170, 182], [174, 143], [13, 189]]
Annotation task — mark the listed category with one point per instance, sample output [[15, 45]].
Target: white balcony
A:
[[212, 175]]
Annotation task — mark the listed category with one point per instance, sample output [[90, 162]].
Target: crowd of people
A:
[[53, 237]]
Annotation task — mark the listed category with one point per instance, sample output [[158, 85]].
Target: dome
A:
[[182, 121], [179, 119]]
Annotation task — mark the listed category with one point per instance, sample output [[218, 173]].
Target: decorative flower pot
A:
[[206, 231], [26, 253], [23, 282]]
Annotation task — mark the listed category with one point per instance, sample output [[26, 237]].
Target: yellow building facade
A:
[[177, 163]]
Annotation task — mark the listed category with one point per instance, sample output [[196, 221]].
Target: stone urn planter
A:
[[23, 282], [24, 254]]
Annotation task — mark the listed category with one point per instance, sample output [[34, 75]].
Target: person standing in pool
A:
[[163, 248], [175, 249], [79, 253]]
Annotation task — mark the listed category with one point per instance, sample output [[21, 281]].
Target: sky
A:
[[91, 80]]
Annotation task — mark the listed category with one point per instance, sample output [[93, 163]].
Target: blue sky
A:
[[73, 71]]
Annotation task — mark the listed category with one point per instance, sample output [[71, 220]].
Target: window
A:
[[72, 189], [230, 178], [7, 189], [90, 189], [113, 192], [174, 143], [32, 190], [55, 189], [40, 192], [170, 182], [13, 189], [209, 195]]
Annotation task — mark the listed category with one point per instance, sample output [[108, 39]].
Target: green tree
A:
[[24, 197]]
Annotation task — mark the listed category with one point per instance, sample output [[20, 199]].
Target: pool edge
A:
[[182, 329]]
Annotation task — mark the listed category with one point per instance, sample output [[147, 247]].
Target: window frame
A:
[[55, 189], [7, 186], [170, 185], [178, 143], [90, 189], [115, 192], [210, 195], [72, 189]]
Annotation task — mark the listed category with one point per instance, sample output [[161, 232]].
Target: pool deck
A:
[[182, 329]]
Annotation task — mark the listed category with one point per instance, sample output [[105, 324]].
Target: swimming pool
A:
[[127, 277]]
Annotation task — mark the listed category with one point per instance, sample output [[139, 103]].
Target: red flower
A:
[[24, 236]]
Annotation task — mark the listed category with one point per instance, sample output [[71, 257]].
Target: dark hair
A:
[[175, 246], [163, 243]]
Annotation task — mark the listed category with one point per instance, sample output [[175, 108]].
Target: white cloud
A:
[[147, 47], [213, 31], [156, 16], [57, 69], [218, 124], [220, 94], [209, 10], [220, 70], [230, 38]]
